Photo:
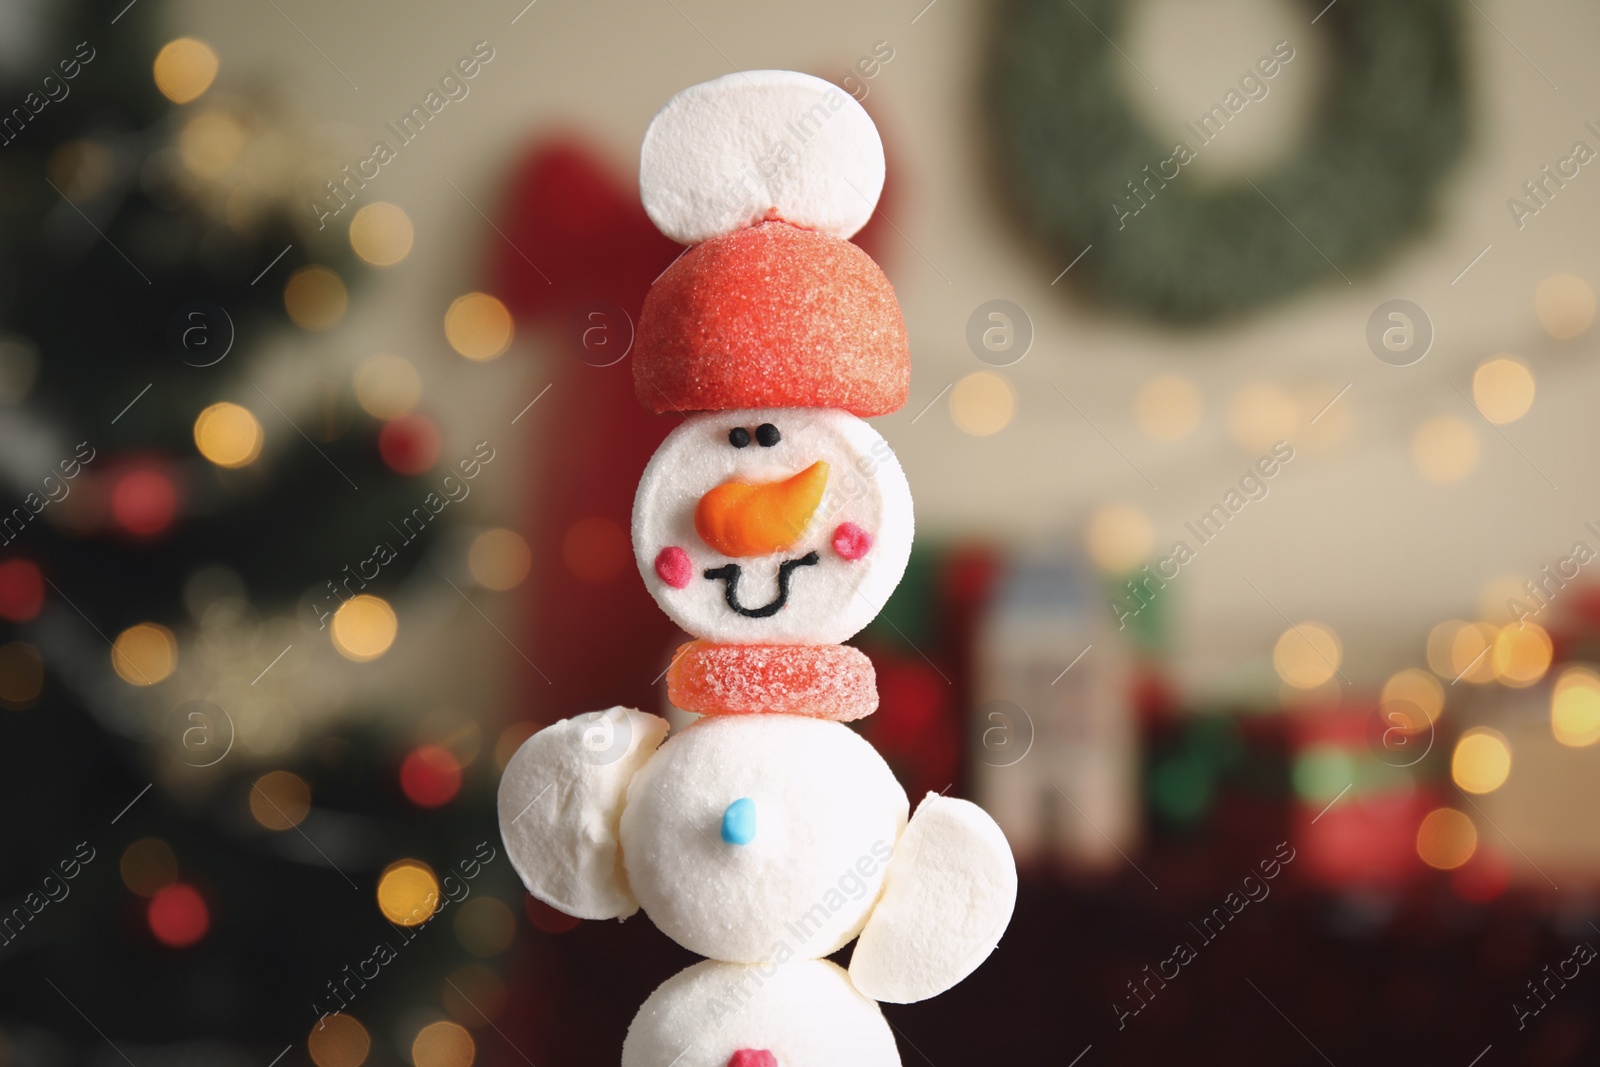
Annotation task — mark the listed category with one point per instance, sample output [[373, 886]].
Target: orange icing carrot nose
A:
[[740, 519]]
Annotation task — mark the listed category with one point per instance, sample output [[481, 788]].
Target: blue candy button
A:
[[739, 822]]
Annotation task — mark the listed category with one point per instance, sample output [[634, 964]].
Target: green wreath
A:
[[1390, 124]]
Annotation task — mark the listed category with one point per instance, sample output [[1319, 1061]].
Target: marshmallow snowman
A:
[[771, 526]]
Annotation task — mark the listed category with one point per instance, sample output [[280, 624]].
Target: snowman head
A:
[[772, 525]]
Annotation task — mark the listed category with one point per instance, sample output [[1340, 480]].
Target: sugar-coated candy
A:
[[948, 898], [828, 813], [824, 681], [804, 1014], [772, 316], [827, 475], [757, 144]]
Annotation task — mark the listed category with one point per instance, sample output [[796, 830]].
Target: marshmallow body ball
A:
[[772, 524]]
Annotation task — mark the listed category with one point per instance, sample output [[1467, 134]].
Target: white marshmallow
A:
[[722, 154], [828, 602], [948, 898], [806, 1014], [560, 801], [827, 814]]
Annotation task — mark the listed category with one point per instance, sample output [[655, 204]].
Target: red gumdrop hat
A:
[[772, 316]]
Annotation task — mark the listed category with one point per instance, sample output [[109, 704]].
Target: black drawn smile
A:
[[730, 573]]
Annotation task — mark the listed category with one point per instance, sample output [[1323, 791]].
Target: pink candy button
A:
[[674, 567], [849, 540]]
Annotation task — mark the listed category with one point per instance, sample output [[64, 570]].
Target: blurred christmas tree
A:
[[206, 535]]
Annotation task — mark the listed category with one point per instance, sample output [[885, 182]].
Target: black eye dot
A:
[[739, 437], [767, 435]]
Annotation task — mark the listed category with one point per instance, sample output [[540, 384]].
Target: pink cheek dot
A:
[[674, 568], [851, 541]]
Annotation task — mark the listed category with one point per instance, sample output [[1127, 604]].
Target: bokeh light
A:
[[1445, 449], [1168, 407], [1307, 655], [21, 674], [178, 915], [982, 403], [410, 444], [1462, 651], [387, 386], [1481, 761], [280, 800], [1503, 389], [499, 559], [1413, 689], [1575, 707], [363, 628], [148, 866], [1119, 537], [21, 590], [315, 298], [430, 776], [228, 435], [478, 326], [1521, 655], [1321, 772], [338, 1041], [596, 549], [408, 892], [474, 995], [1261, 415], [1446, 839], [443, 1044], [1565, 305], [511, 739], [485, 926], [184, 69], [82, 168], [144, 501], [211, 142], [381, 234], [144, 654]]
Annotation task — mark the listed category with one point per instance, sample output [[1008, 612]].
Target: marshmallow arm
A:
[[561, 800], [947, 898]]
